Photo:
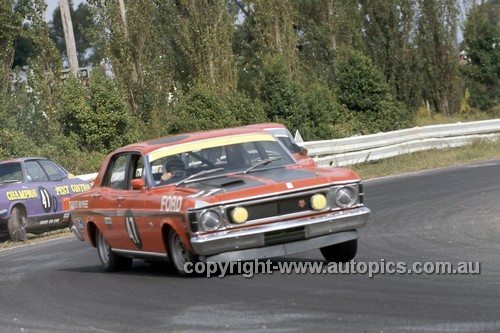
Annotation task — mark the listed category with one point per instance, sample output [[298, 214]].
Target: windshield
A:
[[230, 156], [10, 173]]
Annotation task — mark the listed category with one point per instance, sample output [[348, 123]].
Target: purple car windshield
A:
[[11, 173]]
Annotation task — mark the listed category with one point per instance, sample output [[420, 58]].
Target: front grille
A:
[[278, 207], [284, 236]]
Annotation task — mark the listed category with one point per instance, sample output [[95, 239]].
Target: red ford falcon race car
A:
[[216, 196]]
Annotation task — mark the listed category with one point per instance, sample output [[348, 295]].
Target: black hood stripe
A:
[[229, 184]]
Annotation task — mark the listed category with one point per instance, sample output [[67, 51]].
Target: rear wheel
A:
[[109, 260], [179, 253], [342, 252], [16, 225]]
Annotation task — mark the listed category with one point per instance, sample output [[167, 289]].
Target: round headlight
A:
[[239, 215], [345, 197], [318, 201], [210, 221]]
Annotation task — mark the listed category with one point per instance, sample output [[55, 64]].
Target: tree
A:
[[438, 51], [323, 27], [362, 88], [481, 35], [96, 114], [139, 53], [388, 29], [203, 36], [275, 32], [11, 17]]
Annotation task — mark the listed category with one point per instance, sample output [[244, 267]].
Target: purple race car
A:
[[34, 196]]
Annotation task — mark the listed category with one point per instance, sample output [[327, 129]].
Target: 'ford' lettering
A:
[[170, 203]]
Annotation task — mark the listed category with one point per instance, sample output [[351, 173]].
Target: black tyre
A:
[[179, 253], [110, 260], [16, 224], [342, 252]]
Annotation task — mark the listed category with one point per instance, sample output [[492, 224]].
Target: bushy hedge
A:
[[97, 114], [203, 108], [361, 87]]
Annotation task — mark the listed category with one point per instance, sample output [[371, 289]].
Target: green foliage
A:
[[204, 109], [66, 150], [329, 68], [283, 102], [362, 88], [389, 41], [321, 112], [437, 23], [324, 26], [203, 33], [97, 114], [481, 34], [312, 109]]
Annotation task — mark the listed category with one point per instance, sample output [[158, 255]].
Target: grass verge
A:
[[437, 119], [33, 239], [429, 159]]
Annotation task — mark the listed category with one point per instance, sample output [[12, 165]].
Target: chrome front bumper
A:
[[250, 243], [77, 233]]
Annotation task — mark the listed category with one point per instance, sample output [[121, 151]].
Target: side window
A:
[[54, 172], [116, 176], [137, 168], [35, 172], [287, 142]]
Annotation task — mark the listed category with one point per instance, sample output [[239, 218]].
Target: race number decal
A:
[[132, 230], [45, 199]]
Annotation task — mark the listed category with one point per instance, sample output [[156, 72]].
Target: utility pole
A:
[[69, 37]]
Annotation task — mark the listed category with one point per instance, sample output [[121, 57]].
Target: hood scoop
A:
[[237, 182]]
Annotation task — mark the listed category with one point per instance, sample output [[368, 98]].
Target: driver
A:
[[174, 170]]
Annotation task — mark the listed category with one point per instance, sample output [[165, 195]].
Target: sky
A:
[[53, 4]]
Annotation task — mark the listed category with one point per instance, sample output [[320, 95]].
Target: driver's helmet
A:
[[175, 166]]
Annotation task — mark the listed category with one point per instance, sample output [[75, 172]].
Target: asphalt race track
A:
[[450, 214]]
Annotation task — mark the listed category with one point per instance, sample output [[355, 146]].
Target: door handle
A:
[[96, 195], [120, 198]]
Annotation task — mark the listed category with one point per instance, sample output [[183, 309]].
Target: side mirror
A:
[[137, 184], [303, 151]]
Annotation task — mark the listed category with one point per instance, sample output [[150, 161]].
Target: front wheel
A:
[[342, 252], [179, 253], [16, 224], [110, 260]]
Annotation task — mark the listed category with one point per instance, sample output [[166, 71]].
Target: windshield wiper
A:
[[198, 174], [263, 162], [9, 181]]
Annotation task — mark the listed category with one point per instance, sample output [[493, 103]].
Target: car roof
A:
[[146, 147], [23, 159]]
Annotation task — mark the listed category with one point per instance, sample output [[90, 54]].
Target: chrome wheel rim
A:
[[103, 249], [180, 254]]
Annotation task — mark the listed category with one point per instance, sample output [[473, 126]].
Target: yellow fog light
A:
[[239, 215], [318, 201]]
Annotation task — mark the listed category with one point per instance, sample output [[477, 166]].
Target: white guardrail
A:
[[364, 148], [359, 149]]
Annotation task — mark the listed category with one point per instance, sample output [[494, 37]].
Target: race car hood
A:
[[262, 183]]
